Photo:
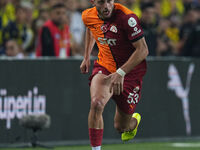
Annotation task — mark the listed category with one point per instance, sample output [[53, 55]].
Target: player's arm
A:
[[89, 44], [135, 34], [140, 53], [117, 78]]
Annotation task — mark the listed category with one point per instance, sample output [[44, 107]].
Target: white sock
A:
[[96, 148]]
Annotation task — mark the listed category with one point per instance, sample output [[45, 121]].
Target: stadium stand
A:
[[170, 25]]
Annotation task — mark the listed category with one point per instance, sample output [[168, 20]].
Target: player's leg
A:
[[100, 95], [124, 122]]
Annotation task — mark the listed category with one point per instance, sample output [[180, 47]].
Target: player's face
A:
[[104, 8]]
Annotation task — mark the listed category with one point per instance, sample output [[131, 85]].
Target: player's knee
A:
[[119, 127], [97, 104]]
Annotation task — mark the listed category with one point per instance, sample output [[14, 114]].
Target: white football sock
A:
[[96, 148]]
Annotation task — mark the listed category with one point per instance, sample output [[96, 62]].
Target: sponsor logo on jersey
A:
[[136, 31], [104, 28], [113, 29], [132, 22], [104, 41]]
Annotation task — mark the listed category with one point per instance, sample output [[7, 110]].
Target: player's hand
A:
[[117, 83], [85, 66]]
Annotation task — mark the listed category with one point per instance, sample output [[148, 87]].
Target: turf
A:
[[133, 146]]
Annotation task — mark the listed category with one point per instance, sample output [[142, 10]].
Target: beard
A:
[[102, 14], [57, 23]]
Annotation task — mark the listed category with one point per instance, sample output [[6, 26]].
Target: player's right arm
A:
[[89, 44]]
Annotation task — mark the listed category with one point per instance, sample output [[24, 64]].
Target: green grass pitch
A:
[[132, 146]]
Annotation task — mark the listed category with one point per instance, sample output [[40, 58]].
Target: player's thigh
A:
[[121, 120], [100, 89]]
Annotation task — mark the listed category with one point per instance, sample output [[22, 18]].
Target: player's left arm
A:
[[136, 58], [135, 34], [140, 53]]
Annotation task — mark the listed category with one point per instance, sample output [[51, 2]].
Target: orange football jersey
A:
[[114, 36]]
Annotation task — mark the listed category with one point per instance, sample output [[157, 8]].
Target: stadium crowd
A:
[[171, 27]]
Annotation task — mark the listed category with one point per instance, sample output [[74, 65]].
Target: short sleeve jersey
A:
[[114, 37]]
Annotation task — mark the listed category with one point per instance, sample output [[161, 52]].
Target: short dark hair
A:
[[58, 5]]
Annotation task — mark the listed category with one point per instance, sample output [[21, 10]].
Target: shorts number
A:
[[133, 98]]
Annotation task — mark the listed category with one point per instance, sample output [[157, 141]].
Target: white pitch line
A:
[[185, 144]]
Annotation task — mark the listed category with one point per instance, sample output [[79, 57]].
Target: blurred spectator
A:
[[157, 5], [172, 33], [149, 25], [189, 20], [192, 44], [134, 5], [19, 30], [12, 49], [171, 7], [43, 16], [165, 46], [77, 27], [36, 5], [54, 37], [189, 4], [29, 8], [7, 12], [167, 26]]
